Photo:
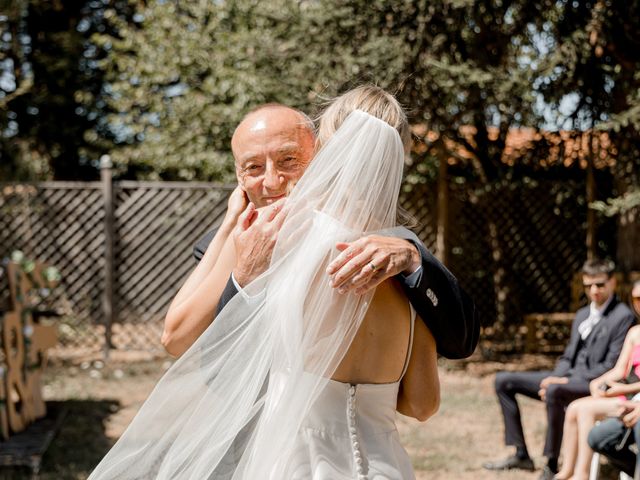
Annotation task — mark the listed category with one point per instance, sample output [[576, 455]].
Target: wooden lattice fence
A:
[[156, 226], [61, 224], [153, 230], [526, 263], [514, 248]]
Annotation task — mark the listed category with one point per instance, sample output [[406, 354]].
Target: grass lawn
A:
[[102, 399]]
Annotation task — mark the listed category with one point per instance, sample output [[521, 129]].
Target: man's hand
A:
[[254, 238], [548, 381], [631, 413], [367, 262]]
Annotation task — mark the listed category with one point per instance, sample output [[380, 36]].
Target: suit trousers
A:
[[509, 384]]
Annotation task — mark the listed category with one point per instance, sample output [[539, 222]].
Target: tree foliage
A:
[[49, 89], [161, 84], [180, 81]]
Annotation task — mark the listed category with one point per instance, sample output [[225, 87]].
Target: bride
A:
[[294, 380]]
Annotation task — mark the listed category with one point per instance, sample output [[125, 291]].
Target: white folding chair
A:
[[594, 470]]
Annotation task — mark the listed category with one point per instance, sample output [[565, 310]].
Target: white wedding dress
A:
[[350, 433]]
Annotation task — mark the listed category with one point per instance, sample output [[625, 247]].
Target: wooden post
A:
[[443, 209], [591, 197], [107, 297]]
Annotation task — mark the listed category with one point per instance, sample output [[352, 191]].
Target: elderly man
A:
[[597, 335], [272, 147]]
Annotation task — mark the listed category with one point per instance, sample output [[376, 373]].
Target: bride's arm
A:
[[207, 250], [419, 395], [193, 309]]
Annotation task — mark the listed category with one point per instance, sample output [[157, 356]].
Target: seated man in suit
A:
[[597, 336], [612, 436], [272, 147]]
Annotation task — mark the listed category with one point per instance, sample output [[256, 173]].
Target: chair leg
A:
[[594, 469]]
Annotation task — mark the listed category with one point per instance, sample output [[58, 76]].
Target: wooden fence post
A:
[[591, 197], [109, 233], [442, 233]]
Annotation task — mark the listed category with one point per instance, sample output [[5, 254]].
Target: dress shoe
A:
[[547, 474], [511, 463]]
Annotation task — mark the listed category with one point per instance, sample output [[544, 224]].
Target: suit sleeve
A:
[[446, 309], [563, 365], [230, 289], [201, 245], [228, 293]]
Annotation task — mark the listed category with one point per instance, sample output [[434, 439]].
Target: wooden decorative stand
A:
[[23, 357]]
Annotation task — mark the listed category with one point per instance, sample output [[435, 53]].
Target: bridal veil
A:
[[231, 406]]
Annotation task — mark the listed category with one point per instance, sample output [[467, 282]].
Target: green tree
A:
[[596, 58], [49, 96], [180, 80]]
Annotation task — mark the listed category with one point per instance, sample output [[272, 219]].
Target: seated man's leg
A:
[[558, 397], [508, 384], [605, 437]]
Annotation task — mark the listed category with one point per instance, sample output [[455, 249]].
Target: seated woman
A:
[[293, 380], [613, 436], [607, 394]]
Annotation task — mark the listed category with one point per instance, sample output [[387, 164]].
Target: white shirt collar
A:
[[595, 315]]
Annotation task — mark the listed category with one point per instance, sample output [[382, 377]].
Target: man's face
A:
[[599, 288], [272, 148]]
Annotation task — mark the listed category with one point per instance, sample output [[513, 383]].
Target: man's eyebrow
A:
[[284, 148], [249, 157], [289, 147]]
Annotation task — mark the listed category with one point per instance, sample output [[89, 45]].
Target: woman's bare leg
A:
[[569, 441], [591, 410]]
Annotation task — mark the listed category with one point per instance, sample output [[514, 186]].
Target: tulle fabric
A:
[[231, 406]]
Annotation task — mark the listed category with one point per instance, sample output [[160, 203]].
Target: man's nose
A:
[[272, 177]]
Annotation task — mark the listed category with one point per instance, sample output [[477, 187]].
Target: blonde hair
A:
[[377, 102], [368, 98]]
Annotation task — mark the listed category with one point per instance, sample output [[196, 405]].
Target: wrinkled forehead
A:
[[270, 131]]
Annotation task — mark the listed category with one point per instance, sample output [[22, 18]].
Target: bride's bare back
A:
[[378, 351], [380, 347]]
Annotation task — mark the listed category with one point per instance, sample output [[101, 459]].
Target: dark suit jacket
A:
[[603, 344], [436, 296]]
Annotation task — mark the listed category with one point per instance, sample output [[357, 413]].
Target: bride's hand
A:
[[237, 204], [369, 261]]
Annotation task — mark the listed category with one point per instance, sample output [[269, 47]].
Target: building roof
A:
[[563, 146]]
